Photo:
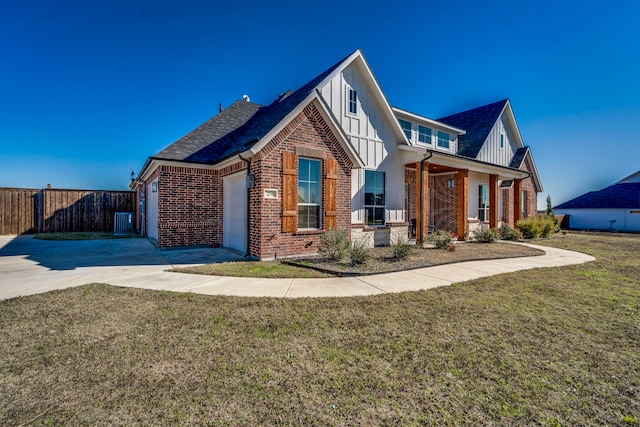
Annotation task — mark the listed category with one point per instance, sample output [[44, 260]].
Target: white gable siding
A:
[[491, 151], [371, 136]]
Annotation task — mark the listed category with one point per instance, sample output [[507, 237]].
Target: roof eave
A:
[[432, 122]]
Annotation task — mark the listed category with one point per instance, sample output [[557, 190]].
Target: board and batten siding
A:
[[371, 136], [491, 151]]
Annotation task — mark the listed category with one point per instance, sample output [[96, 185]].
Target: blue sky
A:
[[89, 89]]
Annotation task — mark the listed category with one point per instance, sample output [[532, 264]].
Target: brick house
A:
[[270, 180]]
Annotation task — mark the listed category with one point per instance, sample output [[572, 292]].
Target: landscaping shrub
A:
[[334, 245], [441, 239], [538, 226], [359, 252], [508, 233], [400, 248], [487, 236]]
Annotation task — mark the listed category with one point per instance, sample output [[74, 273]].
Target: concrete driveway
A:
[[29, 266]]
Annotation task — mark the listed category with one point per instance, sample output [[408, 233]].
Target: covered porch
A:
[[457, 194]]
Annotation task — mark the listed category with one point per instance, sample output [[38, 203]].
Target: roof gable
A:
[[478, 123], [616, 196]]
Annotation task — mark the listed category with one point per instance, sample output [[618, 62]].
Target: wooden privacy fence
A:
[[24, 210]]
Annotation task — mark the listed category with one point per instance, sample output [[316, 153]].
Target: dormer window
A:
[[443, 139], [424, 134], [353, 102], [501, 140], [406, 128]]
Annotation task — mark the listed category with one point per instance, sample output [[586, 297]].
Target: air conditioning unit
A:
[[123, 223]]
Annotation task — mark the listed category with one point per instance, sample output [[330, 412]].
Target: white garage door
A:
[[152, 210], [234, 213]]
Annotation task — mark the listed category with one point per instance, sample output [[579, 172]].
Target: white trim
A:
[[153, 164], [431, 122], [459, 162]]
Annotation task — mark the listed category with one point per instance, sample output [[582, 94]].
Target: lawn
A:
[[557, 346]]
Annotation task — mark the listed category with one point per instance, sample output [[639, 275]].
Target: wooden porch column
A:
[[493, 201], [422, 203], [462, 185], [517, 201]]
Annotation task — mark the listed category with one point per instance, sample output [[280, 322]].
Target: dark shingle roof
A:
[[226, 135], [213, 129], [518, 157], [478, 122], [616, 196]]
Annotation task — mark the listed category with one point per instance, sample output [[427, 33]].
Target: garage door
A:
[[234, 219]]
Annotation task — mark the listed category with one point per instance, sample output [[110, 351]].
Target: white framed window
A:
[[406, 128], [483, 202], [501, 140], [353, 101], [309, 193], [443, 139], [374, 197], [524, 209], [424, 134]]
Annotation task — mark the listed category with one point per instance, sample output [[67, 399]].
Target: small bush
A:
[[508, 233], [486, 236], [359, 252], [400, 248], [538, 226], [334, 245], [441, 239]]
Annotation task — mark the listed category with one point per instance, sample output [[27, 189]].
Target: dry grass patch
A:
[[556, 346]]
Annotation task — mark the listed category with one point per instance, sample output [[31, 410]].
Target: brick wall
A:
[[444, 202], [307, 135], [189, 206]]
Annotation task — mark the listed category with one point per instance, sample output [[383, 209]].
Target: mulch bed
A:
[[382, 260]]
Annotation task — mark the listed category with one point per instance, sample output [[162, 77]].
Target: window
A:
[[353, 102], [443, 139], [374, 197], [309, 193], [406, 128], [424, 134], [483, 202], [501, 140], [524, 204]]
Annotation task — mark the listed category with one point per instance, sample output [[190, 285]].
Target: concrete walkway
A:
[[29, 266]]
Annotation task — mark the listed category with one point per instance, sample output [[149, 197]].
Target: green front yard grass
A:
[[549, 347]]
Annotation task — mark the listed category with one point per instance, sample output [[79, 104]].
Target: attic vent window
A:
[[353, 102]]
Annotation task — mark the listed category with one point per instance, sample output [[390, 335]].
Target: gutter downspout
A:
[[421, 201], [248, 162]]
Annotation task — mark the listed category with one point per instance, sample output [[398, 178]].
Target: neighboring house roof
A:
[[616, 196], [478, 123], [634, 177]]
